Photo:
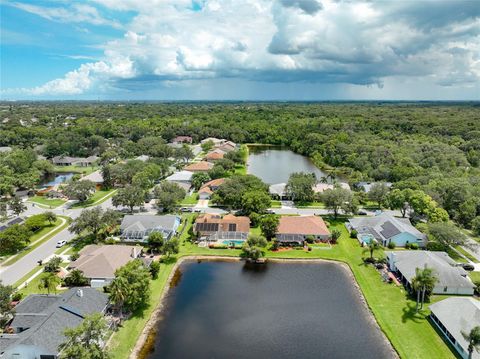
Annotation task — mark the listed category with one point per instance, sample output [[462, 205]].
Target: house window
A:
[[445, 289]]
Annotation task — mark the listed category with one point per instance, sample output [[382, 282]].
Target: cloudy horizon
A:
[[240, 50]]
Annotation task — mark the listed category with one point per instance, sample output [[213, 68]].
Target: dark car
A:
[[362, 213], [468, 266]]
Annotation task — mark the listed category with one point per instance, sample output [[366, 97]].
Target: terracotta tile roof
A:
[[305, 225], [228, 223], [214, 155], [214, 183], [199, 166]]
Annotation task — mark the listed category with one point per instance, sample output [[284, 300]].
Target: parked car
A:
[[362, 213], [197, 210], [61, 243], [270, 211], [468, 266], [185, 209]]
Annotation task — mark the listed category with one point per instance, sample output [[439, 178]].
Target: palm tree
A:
[[372, 247], [49, 282], [118, 293], [473, 339], [423, 282]]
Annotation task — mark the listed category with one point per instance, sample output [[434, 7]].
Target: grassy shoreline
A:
[[410, 333]]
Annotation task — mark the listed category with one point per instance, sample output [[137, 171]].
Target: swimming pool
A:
[[232, 242]]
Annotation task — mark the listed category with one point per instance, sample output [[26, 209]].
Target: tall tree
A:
[[473, 339], [300, 186], [269, 226], [255, 201], [168, 195], [378, 193], [86, 341], [337, 199], [17, 206], [94, 220], [155, 241], [6, 307], [371, 247], [49, 282], [129, 196], [80, 190], [398, 199], [50, 217], [423, 284], [253, 248], [199, 178]]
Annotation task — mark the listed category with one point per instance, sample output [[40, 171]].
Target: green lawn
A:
[[276, 204], [46, 202], [410, 333], [309, 205], [466, 254], [77, 169], [51, 230], [455, 256], [475, 276], [98, 197], [190, 200]]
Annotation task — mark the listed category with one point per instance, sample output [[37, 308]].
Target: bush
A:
[[310, 239], [391, 245], [255, 219], [17, 296], [154, 269], [74, 257], [413, 246], [275, 246], [435, 246], [353, 233], [53, 265], [75, 279], [369, 260]]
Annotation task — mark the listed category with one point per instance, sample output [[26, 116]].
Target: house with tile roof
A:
[[98, 263], [39, 322], [294, 230], [202, 166], [214, 155], [452, 279], [207, 189], [454, 317], [385, 228], [213, 227]]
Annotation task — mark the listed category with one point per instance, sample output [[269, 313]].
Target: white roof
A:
[[278, 189], [449, 275], [180, 176], [459, 315]]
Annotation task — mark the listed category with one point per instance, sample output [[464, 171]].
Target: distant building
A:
[[11, 222], [96, 177], [294, 230], [454, 317], [201, 166], [213, 227], [137, 228], [367, 186], [4, 149], [214, 155], [182, 178], [452, 279], [99, 262], [74, 161], [321, 187], [182, 139], [40, 321], [386, 228], [216, 141], [278, 191]]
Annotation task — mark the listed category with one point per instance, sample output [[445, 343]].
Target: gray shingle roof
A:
[[448, 274], [181, 176], [458, 314], [140, 226], [55, 313], [384, 226]]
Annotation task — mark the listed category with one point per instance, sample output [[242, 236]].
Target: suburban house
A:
[[455, 316], [182, 178], [227, 146], [96, 177], [367, 186], [40, 321], [294, 230], [202, 166], [99, 263], [321, 187], [385, 228], [452, 279], [216, 141], [182, 139], [5, 149], [208, 188], [212, 227], [214, 155], [74, 161], [278, 191], [136, 228]]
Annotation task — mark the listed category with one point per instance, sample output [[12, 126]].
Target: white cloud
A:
[[360, 43]]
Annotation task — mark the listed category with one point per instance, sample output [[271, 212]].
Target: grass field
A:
[[309, 205], [97, 198], [410, 333], [466, 254], [190, 200], [77, 169], [46, 202], [475, 277]]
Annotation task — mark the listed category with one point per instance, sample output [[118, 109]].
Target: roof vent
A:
[[80, 293]]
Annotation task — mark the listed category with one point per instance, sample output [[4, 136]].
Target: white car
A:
[[61, 243]]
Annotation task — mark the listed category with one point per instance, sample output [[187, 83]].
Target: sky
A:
[[300, 50]]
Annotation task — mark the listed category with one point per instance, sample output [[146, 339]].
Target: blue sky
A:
[[240, 49]]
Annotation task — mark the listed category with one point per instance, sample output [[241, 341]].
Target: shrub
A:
[[309, 248], [391, 245], [154, 269], [53, 265], [310, 239], [353, 233], [255, 219], [414, 246], [435, 246], [369, 260], [17, 296], [75, 279], [275, 246], [74, 257]]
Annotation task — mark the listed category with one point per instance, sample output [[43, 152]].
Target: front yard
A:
[[98, 197], [45, 202], [410, 333]]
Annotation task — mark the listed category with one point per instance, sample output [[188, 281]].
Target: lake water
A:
[[56, 178], [286, 310], [275, 164]]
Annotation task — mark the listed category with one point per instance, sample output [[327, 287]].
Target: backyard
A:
[[410, 333]]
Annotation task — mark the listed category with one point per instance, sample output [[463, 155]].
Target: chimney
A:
[[80, 293]]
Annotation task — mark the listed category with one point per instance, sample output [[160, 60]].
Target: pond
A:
[[275, 164], [286, 310], [55, 178]]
